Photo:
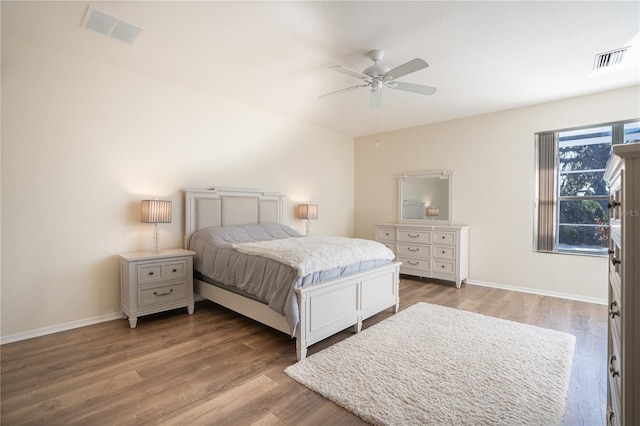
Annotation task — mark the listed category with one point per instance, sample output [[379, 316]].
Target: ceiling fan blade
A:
[[375, 99], [348, 89], [349, 71], [413, 88], [406, 68]]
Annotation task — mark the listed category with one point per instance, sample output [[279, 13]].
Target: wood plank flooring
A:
[[217, 367]]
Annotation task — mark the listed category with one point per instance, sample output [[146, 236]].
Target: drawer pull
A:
[[413, 263], [612, 369], [155, 293], [443, 252], [175, 270], [413, 236], [442, 266], [612, 204], [413, 249], [610, 251], [613, 313], [615, 261]]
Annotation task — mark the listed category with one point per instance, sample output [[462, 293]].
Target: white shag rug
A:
[[433, 365]]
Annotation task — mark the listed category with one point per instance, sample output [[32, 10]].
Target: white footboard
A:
[[333, 306], [325, 308]]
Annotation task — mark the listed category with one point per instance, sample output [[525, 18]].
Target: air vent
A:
[[609, 59], [112, 26]]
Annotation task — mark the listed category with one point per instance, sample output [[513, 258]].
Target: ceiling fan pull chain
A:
[[377, 127]]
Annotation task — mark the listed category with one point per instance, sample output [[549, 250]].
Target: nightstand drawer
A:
[[176, 269], [161, 294], [149, 273], [154, 272]]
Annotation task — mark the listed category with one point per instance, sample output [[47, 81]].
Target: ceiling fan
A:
[[377, 76]]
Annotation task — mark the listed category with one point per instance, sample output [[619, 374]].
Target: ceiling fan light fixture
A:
[[376, 70], [377, 76]]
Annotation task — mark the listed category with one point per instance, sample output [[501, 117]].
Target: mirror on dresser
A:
[[426, 197]]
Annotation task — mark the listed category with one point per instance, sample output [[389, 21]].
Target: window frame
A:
[[547, 196]]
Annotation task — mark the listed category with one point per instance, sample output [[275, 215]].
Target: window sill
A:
[[582, 252]]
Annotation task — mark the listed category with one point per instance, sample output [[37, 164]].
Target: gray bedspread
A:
[[266, 280]]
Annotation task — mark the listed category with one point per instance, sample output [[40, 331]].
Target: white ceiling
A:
[[483, 56]]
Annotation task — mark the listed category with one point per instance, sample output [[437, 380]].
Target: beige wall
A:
[[83, 143], [492, 156]]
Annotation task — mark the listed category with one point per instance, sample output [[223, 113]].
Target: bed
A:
[[320, 307]]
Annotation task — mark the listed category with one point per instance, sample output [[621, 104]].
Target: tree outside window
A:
[[582, 192]]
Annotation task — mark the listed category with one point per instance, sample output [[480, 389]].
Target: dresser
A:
[[430, 251], [152, 282], [623, 379]]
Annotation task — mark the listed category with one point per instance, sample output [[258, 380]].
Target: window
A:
[[571, 205]]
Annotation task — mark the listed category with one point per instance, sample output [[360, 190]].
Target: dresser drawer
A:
[[154, 272], [615, 311], [614, 366], [415, 236], [414, 251], [444, 267], [444, 252], [386, 234], [152, 295], [390, 246], [613, 409], [615, 203], [445, 237], [419, 267]]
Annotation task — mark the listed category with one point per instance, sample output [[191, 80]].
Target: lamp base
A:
[[308, 227], [156, 237]]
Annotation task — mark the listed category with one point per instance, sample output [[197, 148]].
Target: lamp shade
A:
[[433, 211], [307, 211], [155, 211]]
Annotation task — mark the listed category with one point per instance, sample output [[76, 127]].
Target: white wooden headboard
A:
[[205, 208]]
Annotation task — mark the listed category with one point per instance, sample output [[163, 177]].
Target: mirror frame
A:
[[426, 174]]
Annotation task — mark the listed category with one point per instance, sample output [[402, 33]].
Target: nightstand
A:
[[155, 282]]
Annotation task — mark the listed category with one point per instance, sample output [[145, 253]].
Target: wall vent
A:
[[610, 58], [109, 25]]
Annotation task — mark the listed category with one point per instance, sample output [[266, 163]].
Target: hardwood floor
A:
[[217, 367]]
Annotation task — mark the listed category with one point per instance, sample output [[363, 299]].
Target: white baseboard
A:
[[59, 327], [118, 315], [549, 293]]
